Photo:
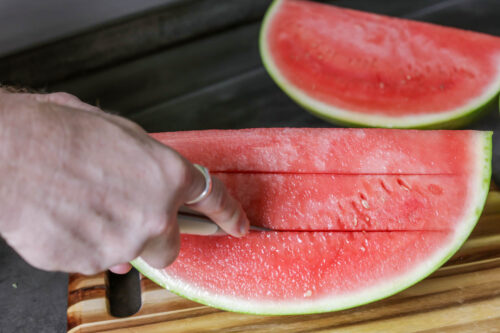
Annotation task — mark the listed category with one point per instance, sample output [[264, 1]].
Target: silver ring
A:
[[208, 185]]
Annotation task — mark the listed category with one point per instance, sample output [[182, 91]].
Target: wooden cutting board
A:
[[462, 296]]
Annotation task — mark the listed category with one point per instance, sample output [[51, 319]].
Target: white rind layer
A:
[[479, 186], [377, 118]]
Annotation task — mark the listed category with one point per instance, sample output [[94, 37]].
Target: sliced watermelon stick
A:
[[357, 215], [362, 69]]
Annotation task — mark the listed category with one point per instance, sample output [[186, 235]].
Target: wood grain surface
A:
[[462, 296]]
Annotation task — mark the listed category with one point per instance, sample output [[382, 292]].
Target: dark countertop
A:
[[31, 300], [193, 65]]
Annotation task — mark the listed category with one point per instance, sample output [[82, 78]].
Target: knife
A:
[[192, 223]]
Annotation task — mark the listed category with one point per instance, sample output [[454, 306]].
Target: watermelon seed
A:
[[435, 189], [365, 204], [384, 186], [364, 200], [308, 293], [403, 184]]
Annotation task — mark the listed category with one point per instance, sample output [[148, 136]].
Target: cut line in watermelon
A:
[[362, 69], [393, 206]]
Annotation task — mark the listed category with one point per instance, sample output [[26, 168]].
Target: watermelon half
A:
[[362, 69], [357, 214]]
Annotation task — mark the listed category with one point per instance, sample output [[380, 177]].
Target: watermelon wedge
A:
[[368, 70], [357, 214]]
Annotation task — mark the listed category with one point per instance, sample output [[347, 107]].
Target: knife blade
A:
[[192, 223]]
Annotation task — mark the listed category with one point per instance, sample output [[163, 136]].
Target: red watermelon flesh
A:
[[359, 67], [337, 180], [301, 265], [358, 214]]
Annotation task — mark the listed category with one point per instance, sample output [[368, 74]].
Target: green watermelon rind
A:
[[481, 180], [444, 120]]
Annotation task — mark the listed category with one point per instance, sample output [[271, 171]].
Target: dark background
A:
[[169, 65]]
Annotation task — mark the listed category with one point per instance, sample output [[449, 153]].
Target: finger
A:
[[121, 268], [163, 249], [219, 205]]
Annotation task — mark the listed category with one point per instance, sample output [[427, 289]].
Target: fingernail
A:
[[244, 225], [121, 268]]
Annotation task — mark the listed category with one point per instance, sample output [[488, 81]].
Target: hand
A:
[[83, 190]]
